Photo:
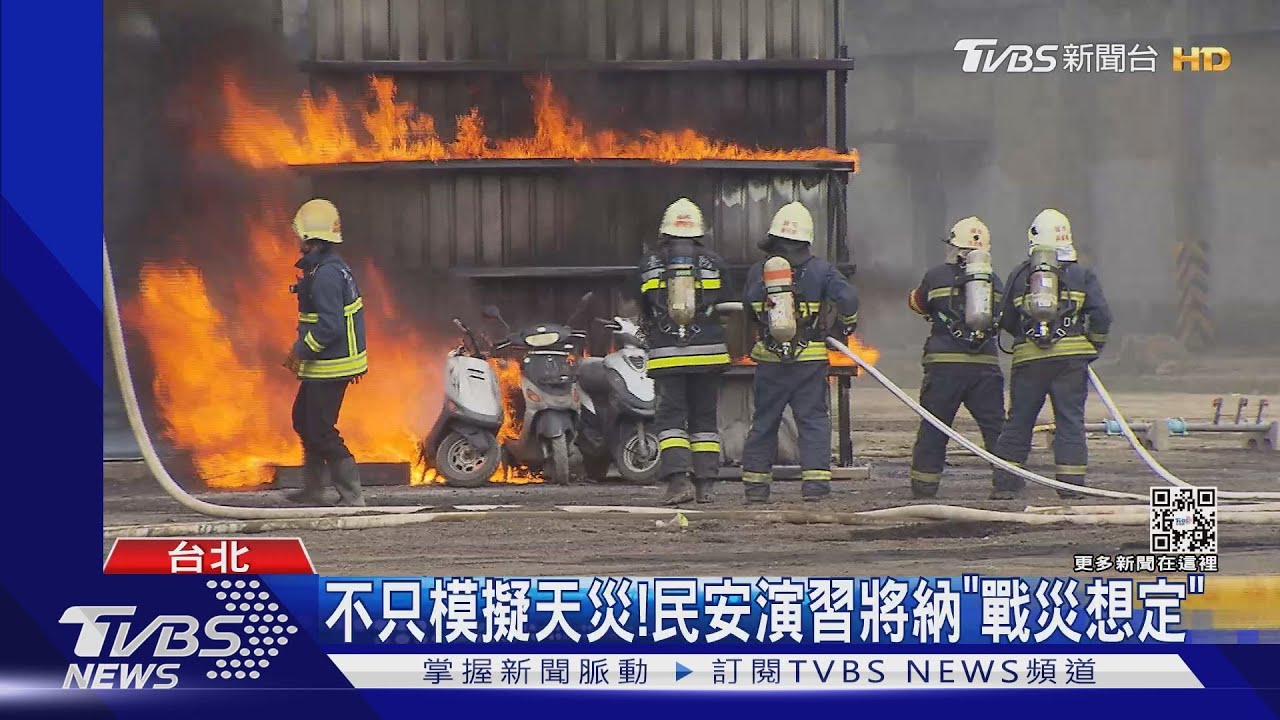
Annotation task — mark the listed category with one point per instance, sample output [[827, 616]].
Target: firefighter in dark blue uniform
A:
[[328, 355], [680, 284], [786, 299], [1058, 316], [961, 361]]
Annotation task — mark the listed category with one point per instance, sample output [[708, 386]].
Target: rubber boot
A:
[[346, 478], [756, 493], [1070, 494], [702, 490], [679, 490], [1005, 492], [923, 490], [814, 490], [315, 480]]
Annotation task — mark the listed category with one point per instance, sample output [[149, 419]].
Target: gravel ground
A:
[[884, 431]]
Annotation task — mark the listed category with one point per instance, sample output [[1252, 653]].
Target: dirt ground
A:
[[884, 431]]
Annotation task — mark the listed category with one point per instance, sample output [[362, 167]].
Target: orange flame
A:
[[398, 131], [218, 382], [508, 373]]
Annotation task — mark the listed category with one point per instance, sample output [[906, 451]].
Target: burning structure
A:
[[522, 150]]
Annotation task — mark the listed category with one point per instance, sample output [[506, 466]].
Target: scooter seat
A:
[[593, 376]]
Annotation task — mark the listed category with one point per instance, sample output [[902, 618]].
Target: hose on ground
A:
[[981, 452], [1150, 461], [115, 333], [886, 516]]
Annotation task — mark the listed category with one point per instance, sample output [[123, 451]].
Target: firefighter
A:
[[961, 363], [1056, 312], [681, 280], [786, 293], [328, 355]]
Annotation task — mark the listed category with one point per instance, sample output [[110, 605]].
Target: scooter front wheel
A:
[[557, 471], [462, 464], [636, 454]]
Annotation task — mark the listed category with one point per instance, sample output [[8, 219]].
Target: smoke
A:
[[165, 177], [1144, 163]]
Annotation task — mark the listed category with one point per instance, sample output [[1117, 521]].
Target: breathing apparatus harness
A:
[[1047, 314], [788, 327], [973, 328], [680, 262]]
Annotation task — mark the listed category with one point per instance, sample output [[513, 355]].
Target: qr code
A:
[[1184, 520]]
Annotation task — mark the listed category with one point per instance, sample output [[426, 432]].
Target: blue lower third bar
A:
[[765, 672]]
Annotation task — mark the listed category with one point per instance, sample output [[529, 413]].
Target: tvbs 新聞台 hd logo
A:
[[116, 648]]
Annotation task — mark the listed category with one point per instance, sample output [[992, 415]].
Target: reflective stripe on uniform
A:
[[1097, 337], [311, 342], [705, 442], [756, 477], [688, 356], [1074, 470], [812, 352], [815, 475], [653, 284], [942, 292], [699, 283], [353, 307], [1066, 347], [709, 284], [331, 369], [849, 319], [925, 477], [954, 357], [668, 439], [308, 317]]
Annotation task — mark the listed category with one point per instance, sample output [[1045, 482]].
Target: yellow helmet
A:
[[792, 222], [1051, 227], [318, 220], [682, 219], [970, 234]]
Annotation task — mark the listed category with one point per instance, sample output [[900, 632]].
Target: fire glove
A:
[[292, 362]]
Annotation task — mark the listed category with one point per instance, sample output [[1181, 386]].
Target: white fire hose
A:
[[1150, 460], [1026, 474], [257, 520]]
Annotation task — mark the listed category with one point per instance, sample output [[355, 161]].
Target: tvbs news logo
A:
[[980, 56], [118, 650]]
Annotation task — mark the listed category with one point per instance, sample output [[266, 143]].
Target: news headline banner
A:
[[751, 611]]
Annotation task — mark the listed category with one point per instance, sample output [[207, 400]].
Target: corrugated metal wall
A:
[[536, 30], [573, 217]]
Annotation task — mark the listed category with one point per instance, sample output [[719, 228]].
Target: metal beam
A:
[[490, 66], [535, 272], [544, 164]]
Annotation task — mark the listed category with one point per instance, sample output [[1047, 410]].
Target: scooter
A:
[[549, 392], [618, 408], [464, 439]]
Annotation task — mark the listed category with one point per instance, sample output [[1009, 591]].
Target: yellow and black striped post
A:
[[1195, 323]]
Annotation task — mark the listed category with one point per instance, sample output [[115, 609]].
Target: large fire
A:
[[398, 131], [218, 380], [217, 351]]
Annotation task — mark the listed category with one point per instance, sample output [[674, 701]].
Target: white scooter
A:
[[618, 408], [464, 440]]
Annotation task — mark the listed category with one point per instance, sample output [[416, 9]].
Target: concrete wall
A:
[[1106, 148]]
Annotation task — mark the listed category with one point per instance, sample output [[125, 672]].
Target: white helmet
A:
[[682, 219], [793, 222], [1051, 227], [969, 234], [318, 220]]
